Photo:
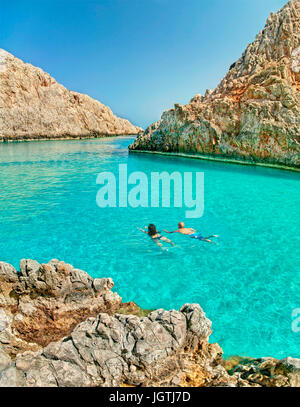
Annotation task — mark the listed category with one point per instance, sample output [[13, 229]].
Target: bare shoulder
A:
[[186, 231]]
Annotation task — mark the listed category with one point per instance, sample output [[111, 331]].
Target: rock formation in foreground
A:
[[60, 327], [253, 114], [34, 106]]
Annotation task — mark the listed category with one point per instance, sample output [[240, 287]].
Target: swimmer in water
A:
[[192, 233], [155, 236]]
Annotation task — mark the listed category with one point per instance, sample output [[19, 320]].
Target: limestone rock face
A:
[[60, 327], [115, 350], [34, 106], [44, 302], [254, 113]]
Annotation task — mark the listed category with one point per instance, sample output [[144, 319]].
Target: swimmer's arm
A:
[[142, 230], [175, 231]]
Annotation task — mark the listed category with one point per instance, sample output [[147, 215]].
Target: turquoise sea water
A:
[[248, 285]]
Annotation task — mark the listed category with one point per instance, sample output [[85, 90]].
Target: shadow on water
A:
[[203, 165]]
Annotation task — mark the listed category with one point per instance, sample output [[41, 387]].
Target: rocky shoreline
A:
[[218, 159], [60, 327], [9, 139], [253, 115]]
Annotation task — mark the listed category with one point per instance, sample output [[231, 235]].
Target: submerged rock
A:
[[269, 372], [61, 327], [253, 114], [34, 106]]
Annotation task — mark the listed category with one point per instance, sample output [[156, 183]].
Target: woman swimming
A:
[[155, 236]]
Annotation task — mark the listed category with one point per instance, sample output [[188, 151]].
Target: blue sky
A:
[[137, 56]]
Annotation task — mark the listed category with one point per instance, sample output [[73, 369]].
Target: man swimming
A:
[[192, 233]]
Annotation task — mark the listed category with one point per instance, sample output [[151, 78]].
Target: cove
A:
[[248, 285]]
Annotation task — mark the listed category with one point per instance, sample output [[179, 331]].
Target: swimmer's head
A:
[[152, 230], [180, 225]]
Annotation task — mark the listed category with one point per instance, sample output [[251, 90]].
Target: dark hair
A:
[[152, 230]]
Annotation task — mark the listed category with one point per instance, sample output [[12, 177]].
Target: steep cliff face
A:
[[254, 113], [33, 105]]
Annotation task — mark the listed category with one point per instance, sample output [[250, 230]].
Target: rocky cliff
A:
[[34, 106], [60, 327], [253, 114]]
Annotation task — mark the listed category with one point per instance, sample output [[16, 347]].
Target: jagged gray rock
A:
[[61, 327], [44, 302], [112, 350], [8, 273]]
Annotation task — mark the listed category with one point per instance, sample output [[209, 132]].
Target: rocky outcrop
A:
[[119, 350], [44, 302], [60, 327], [34, 106], [253, 114]]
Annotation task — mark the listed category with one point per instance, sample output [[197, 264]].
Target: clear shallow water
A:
[[248, 285]]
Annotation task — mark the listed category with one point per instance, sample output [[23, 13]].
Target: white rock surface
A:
[[33, 106]]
